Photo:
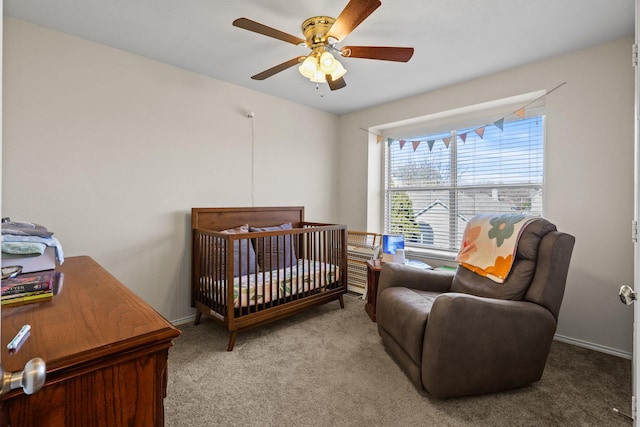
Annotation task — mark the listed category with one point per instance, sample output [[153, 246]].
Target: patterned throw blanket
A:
[[489, 244]]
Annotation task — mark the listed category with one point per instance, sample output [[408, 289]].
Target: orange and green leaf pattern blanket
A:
[[489, 244]]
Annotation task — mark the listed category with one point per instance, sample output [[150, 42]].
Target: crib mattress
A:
[[264, 287]]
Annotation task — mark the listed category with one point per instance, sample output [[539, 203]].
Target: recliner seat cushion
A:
[[517, 282], [403, 314]]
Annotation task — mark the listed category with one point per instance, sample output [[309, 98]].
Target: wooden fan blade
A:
[[335, 84], [256, 27], [351, 16], [384, 53], [275, 70]]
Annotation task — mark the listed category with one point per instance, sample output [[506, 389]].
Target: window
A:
[[435, 183]]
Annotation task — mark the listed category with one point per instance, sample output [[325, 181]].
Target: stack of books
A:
[[31, 287]]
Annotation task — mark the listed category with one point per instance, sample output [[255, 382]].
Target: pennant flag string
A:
[[545, 94], [520, 112]]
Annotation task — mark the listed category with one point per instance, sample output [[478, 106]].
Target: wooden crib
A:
[[244, 279]]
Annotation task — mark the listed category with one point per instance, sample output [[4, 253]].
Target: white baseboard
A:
[[592, 346], [184, 320]]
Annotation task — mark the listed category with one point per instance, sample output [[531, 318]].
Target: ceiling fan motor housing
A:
[[315, 30]]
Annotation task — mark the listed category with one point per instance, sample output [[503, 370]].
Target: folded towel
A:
[[489, 244], [25, 229], [23, 248]]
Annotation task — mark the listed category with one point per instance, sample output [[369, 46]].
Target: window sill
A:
[[431, 256]]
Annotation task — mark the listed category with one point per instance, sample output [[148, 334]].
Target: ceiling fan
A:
[[322, 33]]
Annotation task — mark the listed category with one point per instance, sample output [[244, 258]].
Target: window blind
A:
[[435, 183]]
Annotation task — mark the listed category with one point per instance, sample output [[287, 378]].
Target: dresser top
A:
[[93, 316]]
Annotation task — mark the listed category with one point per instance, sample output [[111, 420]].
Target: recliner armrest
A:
[[395, 274], [476, 345]]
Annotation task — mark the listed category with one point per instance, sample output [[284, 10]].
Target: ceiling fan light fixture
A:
[[318, 77], [308, 66], [328, 63], [316, 68], [338, 72]]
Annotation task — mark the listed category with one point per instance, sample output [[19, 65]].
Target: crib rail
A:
[[241, 278]]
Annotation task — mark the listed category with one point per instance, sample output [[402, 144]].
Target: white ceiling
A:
[[454, 40]]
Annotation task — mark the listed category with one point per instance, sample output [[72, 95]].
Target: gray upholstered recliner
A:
[[457, 334]]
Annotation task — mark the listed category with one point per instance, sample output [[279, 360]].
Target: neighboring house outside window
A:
[[435, 183]]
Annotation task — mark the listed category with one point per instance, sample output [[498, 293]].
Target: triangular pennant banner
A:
[[521, 113]]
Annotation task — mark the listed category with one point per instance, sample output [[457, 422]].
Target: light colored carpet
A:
[[327, 367]]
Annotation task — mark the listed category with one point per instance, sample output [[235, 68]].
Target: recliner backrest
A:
[[554, 256], [517, 283]]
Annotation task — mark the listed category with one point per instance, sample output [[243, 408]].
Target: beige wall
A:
[[588, 182], [111, 150]]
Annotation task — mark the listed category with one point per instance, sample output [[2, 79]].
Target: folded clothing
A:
[[50, 241], [23, 248], [18, 228]]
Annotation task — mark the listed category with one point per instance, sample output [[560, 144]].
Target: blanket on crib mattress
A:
[[264, 287]]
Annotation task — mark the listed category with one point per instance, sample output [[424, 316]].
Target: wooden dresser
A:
[[105, 349]]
